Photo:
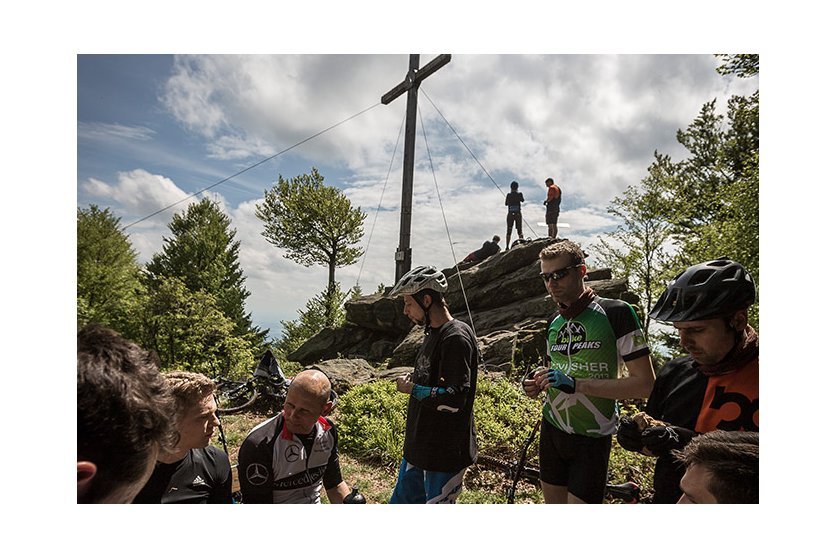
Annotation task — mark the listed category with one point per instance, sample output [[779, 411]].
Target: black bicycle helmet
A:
[[705, 291], [419, 279]]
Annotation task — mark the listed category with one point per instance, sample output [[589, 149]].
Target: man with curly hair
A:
[[194, 471]]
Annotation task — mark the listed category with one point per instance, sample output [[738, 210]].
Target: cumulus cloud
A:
[[590, 122], [138, 191]]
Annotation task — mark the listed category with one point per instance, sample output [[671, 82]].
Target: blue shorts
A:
[[418, 486]]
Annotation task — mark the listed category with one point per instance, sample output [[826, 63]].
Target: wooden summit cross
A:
[[403, 255]]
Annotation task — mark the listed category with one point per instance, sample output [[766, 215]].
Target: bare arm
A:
[[637, 385], [338, 494]]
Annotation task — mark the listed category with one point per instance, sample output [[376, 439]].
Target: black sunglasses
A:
[[557, 275]]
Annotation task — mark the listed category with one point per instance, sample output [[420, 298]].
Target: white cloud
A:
[[590, 122], [138, 191], [100, 131]]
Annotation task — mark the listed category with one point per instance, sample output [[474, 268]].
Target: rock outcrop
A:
[[502, 297]]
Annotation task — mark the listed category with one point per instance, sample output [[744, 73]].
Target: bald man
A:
[[288, 458]]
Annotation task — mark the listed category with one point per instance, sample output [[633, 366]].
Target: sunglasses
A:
[[557, 275]]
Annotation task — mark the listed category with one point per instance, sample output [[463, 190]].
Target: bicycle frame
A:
[[520, 466]]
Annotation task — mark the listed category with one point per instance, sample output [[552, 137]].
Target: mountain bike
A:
[[519, 469], [267, 381]]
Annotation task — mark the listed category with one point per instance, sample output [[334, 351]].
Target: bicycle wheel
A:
[[529, 473], [235, 396]]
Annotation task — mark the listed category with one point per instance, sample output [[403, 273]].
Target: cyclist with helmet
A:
[[514, 201], [714, 387], [588, 340], [440, 434]]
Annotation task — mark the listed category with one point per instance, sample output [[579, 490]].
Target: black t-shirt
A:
[[203, 476], [514, 200], [440, 433], [487, 249]]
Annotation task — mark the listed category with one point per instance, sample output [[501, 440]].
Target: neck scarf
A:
[[746, 349], [576, 308]]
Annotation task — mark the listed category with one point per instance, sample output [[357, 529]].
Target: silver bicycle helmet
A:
[[705, 291], [418, 279]]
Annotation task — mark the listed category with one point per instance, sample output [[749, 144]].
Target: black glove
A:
[[663, 439], [629, 436]]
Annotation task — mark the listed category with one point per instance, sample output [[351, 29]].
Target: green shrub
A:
[[372, 420], [504, 417]]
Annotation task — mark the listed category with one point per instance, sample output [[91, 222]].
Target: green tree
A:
[[202, 252], [189, 331], [108, 289], [642, 247], [717, 185], [326, 309], [702, 207], [315, 223]]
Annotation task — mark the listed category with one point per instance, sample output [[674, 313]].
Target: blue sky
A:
[[154, 129], [44, 108]]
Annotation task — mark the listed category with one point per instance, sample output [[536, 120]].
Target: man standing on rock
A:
[[440, 434], [552, 207], [587, 340]]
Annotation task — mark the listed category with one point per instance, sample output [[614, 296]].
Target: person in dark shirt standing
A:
[[440, 433], [514, 201], [487, 249], [194, 472]]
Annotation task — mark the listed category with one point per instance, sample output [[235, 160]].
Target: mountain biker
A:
[[514, 200], [288, 458], [124, 409], [587, 340], [194, 471], [717, 385], [440, 434]]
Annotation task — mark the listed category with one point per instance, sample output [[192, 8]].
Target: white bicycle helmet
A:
[[419, 278]]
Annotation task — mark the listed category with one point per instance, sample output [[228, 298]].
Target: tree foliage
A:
[[189, 331], [315, 223], [700, 208], [202, 253], [108, 287], [642, 248], [326, 309]]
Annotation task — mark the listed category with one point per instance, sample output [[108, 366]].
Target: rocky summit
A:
[[502, 297]]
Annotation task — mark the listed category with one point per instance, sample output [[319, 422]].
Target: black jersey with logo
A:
[[203, 476], [440, 433], [277, 466], [684, 397]]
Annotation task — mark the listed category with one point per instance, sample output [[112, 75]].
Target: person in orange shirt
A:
[[552, 206], [714, 387]]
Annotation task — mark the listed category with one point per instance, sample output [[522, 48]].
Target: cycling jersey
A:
[[591, 345], [440, 433], [685, 397], [275, 466], [202, 476]]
